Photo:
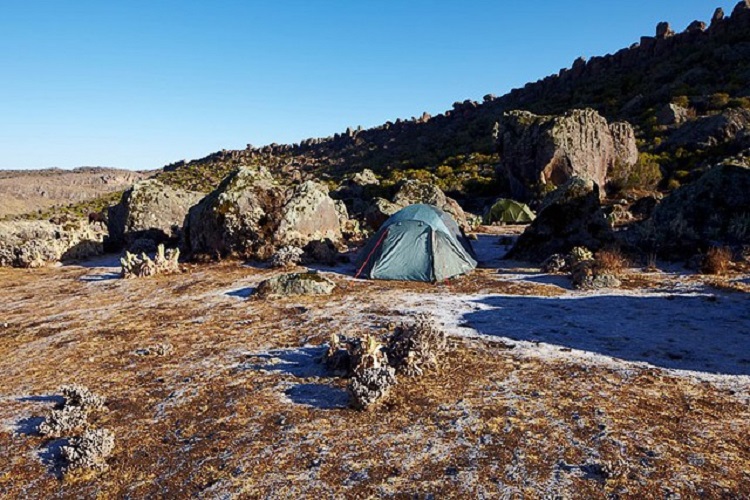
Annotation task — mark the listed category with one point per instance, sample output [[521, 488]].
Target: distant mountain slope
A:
[[705, 68], [23, 191]]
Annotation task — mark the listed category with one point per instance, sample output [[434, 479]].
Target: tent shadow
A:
[[686, 332]]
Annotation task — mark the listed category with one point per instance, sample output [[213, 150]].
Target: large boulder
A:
[[538, 151], [238, 218], [571, 216], [309, 214], [149, 210], [710, 131], [412, 192], [711, 211], [37, 243], [250, 216], [357, 191]]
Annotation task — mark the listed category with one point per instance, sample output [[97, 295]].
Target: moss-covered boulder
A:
[[286, 285], [238, 218], [150, 210]]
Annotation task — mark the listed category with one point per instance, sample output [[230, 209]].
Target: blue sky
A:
[[138, 84]]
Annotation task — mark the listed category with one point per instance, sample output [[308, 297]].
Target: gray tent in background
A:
[[417, 243], [510, 212]]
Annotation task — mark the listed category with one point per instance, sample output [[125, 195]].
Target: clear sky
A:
[[138, 84]]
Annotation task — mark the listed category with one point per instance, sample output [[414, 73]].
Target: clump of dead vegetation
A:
[[89, 451], [288, 256], [165, 262], [414, 348], [589, 271], [93, 446], [717, 261], [372, 376], [79, 402], [160, 350]]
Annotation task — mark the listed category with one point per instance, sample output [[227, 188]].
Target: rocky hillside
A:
[[23, 191], [676, 89]]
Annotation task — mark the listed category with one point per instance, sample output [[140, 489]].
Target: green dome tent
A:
[[509, 211], [417, 243]]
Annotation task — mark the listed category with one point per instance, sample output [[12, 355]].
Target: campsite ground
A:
[[642, 392]]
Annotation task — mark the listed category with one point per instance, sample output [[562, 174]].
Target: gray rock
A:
[[732, 125], [413, 191], [365, 178], [586, 276], [713, 210], [571, 216], [672, 114], [663, 30], [379, 211], [539, 151], [238, 218], [32, 244], [309, 283], [310, 214], [150, 209]]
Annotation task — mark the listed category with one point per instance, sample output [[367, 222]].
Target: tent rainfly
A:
[[509, 211], [417, 243]]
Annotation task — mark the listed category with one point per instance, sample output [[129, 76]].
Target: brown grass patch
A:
[[717, 261], [610, 261]]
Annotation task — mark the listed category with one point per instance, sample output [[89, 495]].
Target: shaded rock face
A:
[[310, 214], [149, 210], [570, 216], [710, 131], [379, 211], [536, 151], [292, 284], [250, 216], [33, 244], [713, 210], [672, 114], [411, 192], [238, 218]]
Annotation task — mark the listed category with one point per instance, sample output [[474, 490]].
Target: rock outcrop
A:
[[570, 216], [250, 216], [713, 210], [310, 214], [538, 151], [149, 210], [412, 191], [732, 125], [238, 218], [38, 243]]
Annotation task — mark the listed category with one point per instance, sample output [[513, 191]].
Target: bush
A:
[[716, 261], [610, 261], [719, 100]]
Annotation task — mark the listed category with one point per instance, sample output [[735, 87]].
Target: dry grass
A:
[[610, 261], [224, 415], [717, 261]]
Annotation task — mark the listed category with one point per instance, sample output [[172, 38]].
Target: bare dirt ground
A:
[[546, 391]]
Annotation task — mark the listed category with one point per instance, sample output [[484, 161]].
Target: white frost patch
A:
[[691, 334]]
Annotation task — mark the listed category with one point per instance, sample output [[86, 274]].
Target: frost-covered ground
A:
[[640, 392]]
